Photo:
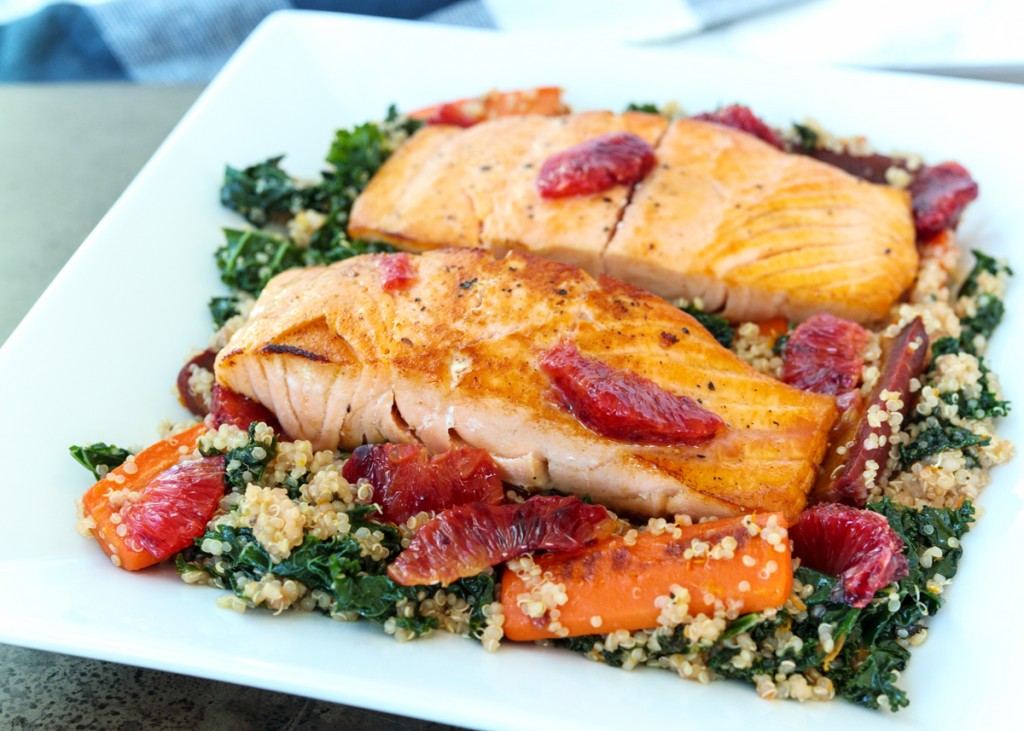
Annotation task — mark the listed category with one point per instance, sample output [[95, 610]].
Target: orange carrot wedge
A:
[[467, 112], [541, 100], [743, 563], [773, 327], [133, 476]]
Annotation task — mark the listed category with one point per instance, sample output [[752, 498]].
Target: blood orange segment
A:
[[105, 503], [825, 354], [857, 546], [191, 400], [740, 117], [173, 509], [622, 405], [940, 194], [467, 539], [407, 480], [619, 158], [229, 407], [396, 272], [464, 113]]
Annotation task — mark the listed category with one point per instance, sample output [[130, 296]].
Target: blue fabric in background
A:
[[407, 9], [169, 41], [58, 43]]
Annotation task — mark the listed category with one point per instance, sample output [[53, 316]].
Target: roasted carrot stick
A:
[[773, 327], [467, 112], [743, 563], [540, 100], [133, 476]]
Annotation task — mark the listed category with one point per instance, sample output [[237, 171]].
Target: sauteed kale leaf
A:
[[261, 191], [349, 580], [99, 458], [300, 223], [719, 327]]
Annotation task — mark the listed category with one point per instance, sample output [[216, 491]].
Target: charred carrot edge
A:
[[540, 100], [147, 464], [615, 585], [773, 327]]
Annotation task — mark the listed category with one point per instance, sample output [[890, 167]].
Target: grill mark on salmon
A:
[[440, 364], [274, 348]]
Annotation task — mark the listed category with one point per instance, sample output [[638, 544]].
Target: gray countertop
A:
[[66, 153]]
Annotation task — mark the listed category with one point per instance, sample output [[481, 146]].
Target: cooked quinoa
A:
[[758, 350], [949, 477]]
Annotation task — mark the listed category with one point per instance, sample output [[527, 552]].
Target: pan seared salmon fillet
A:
[[455, 357], [755, 232], [475, 187]]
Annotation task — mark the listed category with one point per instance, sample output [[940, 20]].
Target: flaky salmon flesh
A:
[[454, 357], [752, 231]]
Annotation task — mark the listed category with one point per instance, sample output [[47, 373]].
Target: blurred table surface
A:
[[66, 153]]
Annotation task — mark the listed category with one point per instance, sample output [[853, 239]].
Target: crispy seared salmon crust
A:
[[753, 231], [454, 358]]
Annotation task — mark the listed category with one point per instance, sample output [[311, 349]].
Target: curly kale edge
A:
[[268, 197]]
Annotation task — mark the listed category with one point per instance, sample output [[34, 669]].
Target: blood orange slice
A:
[[857, 546], [173, 510], [465, 540], [407, 480]]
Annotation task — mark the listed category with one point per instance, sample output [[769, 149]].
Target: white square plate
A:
[[97, 357]]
